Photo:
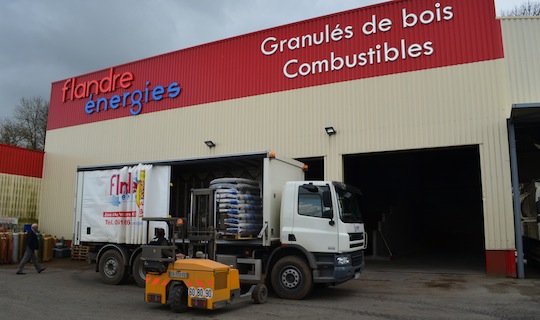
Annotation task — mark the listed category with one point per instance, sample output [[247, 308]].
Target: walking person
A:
[[32, 244]]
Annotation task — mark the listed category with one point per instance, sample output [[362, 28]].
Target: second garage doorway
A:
[[422, 207]]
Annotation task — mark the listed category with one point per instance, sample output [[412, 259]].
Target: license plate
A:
[[357, 275], [198, 303], [178, 274]]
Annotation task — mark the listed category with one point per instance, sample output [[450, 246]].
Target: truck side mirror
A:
[[327, 199], [327, 203]]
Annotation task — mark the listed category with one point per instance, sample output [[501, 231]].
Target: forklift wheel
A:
[[259, 294], [178, 298]]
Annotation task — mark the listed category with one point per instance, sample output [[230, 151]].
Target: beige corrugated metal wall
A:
[[452, 106], [521, 36], [20, 197]]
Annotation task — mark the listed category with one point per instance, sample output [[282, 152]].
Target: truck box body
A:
[[107, 209], [110, 204]]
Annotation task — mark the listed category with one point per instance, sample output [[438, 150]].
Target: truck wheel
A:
[[111, 268], [178, 298], [138, 271], [291, 278], [259, 294]]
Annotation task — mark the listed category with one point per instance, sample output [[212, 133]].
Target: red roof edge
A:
[[20, 161]]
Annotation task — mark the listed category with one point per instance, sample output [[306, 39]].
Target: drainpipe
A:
[[516, 202]]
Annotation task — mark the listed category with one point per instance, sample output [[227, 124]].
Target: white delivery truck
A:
[[301, 233]]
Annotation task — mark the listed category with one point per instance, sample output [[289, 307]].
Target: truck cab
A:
[[321, 220]]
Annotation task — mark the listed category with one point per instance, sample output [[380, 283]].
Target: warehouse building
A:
[[20, 186], [411, 101]]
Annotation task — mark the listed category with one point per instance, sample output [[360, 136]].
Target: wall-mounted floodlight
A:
[[330, 131], [210, 143]]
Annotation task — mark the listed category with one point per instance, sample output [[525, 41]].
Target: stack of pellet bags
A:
[[239, 206]]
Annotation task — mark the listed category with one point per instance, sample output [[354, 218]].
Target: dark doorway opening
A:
[[315, 168], [524, 126], [422, 207]]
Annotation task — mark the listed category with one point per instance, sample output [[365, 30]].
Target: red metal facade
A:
[[445, 33], [501, 263], [20, 161]]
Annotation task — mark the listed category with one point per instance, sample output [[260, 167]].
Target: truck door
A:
[[314, 225]]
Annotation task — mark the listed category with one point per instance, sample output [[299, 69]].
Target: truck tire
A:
[[138, 271], [111, 268], [259, 294], [178, 298], [291, 278]]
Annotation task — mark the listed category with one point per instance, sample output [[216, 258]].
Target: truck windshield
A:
[[349, 203]]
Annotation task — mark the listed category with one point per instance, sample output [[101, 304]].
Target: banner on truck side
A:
[[115, 201]]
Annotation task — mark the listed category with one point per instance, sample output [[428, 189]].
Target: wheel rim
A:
[[291, 277], [142, 273], [264, 293], [111, 267]]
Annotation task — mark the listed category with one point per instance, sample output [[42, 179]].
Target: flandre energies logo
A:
[[125, 192], [134, 100], [386, 52]]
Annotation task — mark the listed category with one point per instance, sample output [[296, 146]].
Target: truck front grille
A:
[[357, 257], [356, 236]]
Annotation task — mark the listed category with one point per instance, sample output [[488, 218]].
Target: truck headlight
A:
[[342, 260]]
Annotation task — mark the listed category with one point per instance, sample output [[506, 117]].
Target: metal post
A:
[[516, 202]]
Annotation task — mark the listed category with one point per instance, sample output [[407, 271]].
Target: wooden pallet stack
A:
[[79, 252]]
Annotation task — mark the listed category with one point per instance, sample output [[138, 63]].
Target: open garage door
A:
[[422, 207]]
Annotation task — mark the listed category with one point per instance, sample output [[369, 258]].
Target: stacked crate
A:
[[238, 207]]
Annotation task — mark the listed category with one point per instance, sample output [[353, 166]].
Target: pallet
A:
[[238, 237], [79, 252]]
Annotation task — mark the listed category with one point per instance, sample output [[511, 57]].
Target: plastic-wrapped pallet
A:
[[239, 205]]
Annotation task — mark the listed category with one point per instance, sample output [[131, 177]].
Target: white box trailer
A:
[[311, 231]]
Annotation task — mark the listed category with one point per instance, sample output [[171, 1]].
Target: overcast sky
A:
[[46, 41]]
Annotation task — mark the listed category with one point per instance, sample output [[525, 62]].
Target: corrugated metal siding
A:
[[59, 178], [449, 106], [20, 197], [20, 161], [20, 183], [521, 37]]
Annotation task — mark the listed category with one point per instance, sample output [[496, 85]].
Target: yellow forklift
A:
[[185, 282]]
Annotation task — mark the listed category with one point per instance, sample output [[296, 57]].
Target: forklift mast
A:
[[201, 229]]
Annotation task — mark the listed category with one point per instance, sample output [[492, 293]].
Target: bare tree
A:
[[9, 133], [527, 8], [28, 126]]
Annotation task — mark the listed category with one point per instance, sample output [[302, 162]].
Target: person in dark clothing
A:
[[160, 240], [32, 244]]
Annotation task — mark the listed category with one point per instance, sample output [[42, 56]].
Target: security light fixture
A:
[[330, 131], [210, 143]]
